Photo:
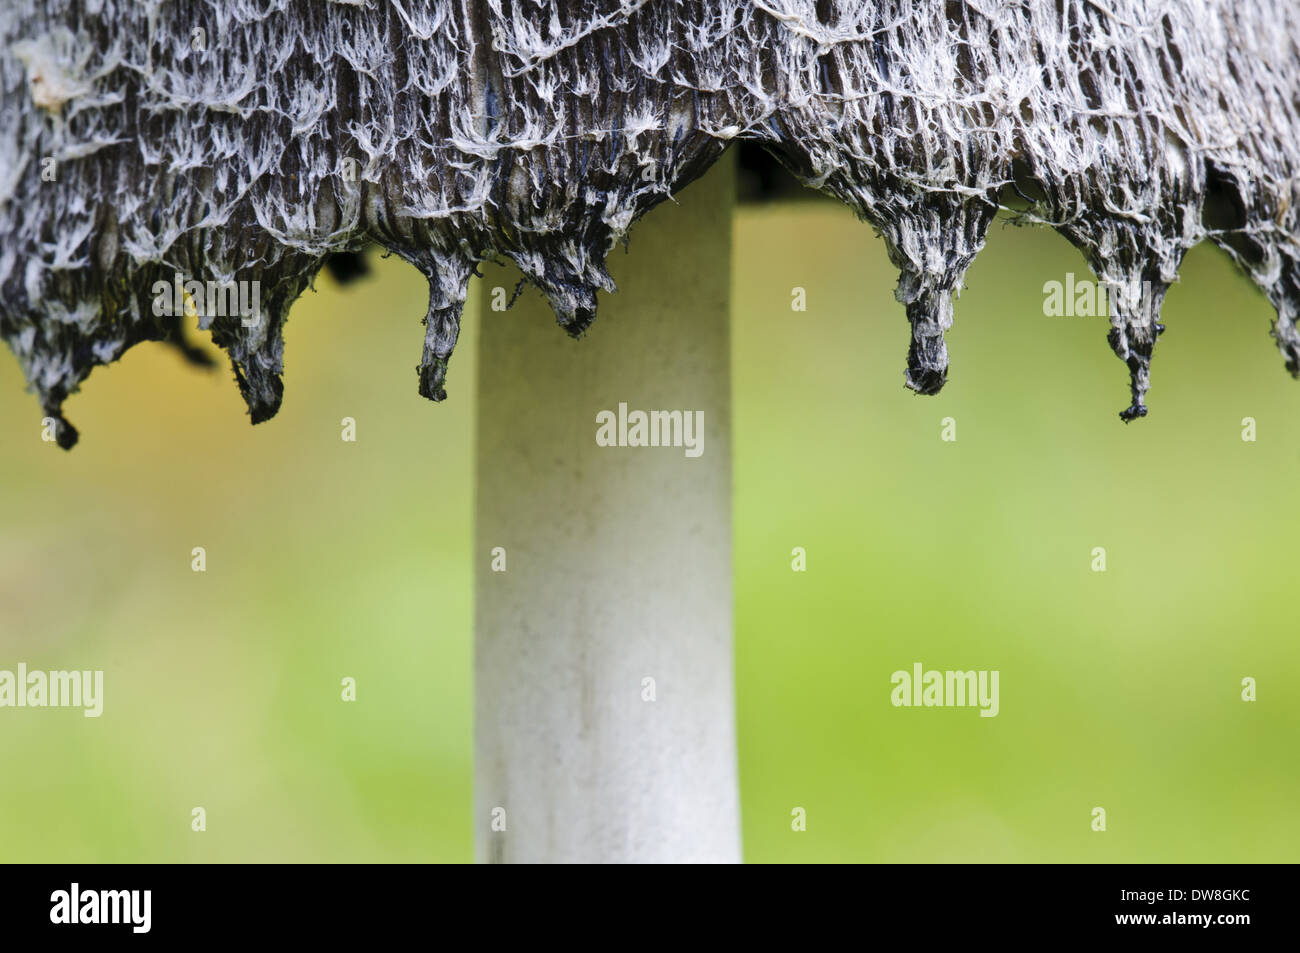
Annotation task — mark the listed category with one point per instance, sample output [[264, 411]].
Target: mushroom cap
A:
[[258, 146]]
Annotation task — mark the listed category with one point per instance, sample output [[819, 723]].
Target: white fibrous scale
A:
[[248, 140]]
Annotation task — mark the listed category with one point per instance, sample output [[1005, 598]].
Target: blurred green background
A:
[[328, 559]]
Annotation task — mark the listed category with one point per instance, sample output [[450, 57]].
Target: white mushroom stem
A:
[[605, 726]]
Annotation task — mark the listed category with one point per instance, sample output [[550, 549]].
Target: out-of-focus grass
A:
[[329, 559], [1118, 689], [325, 560]]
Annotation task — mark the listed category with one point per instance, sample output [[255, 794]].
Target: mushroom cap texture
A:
[[148, 143]]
